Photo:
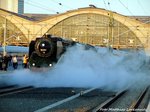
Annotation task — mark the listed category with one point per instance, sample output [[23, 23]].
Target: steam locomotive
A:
[[46, 50]]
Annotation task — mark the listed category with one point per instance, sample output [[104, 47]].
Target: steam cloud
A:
[[93, 67]]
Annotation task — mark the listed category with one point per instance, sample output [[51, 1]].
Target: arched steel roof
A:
[[31, 29]]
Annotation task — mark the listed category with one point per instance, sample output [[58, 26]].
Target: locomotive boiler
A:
[[47, 50]]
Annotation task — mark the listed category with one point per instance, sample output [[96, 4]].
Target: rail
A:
[[13, 90], [136, 103], [108, 102], [47, 108]]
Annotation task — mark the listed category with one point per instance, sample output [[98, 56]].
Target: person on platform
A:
[[25, 61], [5, 63], [9, 60], [15, 62]]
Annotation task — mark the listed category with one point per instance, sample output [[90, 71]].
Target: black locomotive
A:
[[46, 51]]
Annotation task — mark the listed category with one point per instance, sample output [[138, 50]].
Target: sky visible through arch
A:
[[125, 7]]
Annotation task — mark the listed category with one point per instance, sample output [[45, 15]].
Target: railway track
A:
[[66, 99], [138, 101], [105, 105], [47, 108], [55, 107], [12, 89], [38, 98], [133, 108]]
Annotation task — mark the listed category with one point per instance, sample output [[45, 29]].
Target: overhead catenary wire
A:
[[35, 5], [11, 15], [109, 5], [38, 5], [130, 29], [130, 13], [126, 7], [105, 5], [134, 26], [141, 6], [61, 4]]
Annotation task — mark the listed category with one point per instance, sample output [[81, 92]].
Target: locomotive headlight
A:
[[50, 65], [43, 44], [33, 64]]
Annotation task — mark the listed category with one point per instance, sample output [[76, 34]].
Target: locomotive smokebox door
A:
[[44, 47]]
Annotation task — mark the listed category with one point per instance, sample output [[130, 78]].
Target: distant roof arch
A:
[[33, 28]]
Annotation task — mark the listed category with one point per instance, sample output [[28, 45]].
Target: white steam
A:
[[94, 67]]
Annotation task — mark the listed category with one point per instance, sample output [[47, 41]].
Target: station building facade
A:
[[16, 6], [95, 26]]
